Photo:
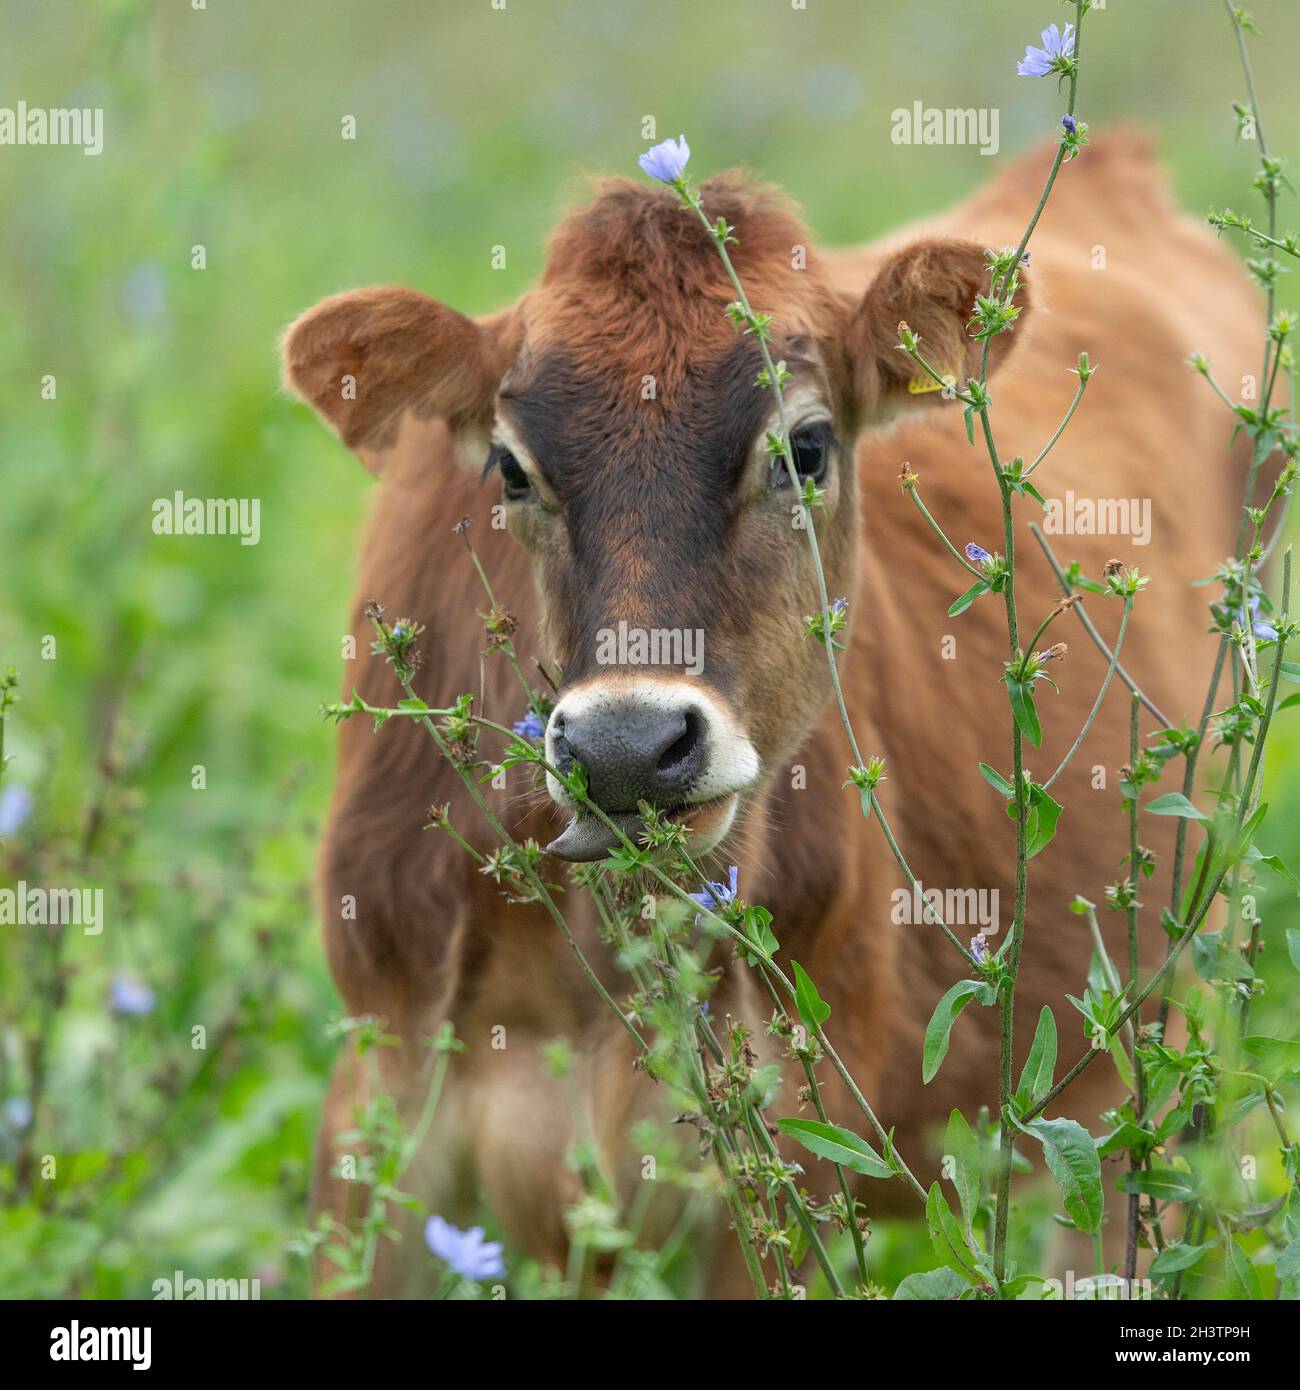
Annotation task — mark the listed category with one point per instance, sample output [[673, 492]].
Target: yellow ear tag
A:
[[920, 385]]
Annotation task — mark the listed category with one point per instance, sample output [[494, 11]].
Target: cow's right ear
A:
[[365, 358]]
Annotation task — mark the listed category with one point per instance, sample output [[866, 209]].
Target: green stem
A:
[[938, 531], [538, 887], [1101, 694], [1007, 989], [1090, 628], [850, 1206], [1060, 429]]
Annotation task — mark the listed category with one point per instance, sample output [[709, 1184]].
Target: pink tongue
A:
[[585, 838]]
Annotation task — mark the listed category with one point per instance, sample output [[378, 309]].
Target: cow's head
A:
[[617, 410]]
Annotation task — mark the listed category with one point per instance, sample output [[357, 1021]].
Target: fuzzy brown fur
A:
[[652, 522]]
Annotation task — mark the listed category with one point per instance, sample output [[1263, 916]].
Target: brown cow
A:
[[659, 509]]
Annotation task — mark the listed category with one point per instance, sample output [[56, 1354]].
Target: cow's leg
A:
[[402, 1268], [729, 1278], [330, 1193]]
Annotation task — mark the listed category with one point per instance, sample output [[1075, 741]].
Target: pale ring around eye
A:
[[810, 448]]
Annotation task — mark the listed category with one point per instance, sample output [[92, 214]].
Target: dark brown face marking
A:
[[649, 491], [636, 402]]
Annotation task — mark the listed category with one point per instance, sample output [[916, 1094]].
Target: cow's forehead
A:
[[640, 238], [634, 287]]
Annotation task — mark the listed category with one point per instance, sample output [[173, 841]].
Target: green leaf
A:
[[837, 1145], [1214, 961], [947, 1237], [1242, 1269], [1253, 855], [1022, 706], [1278, 1057], [756, 926], [1293, 945], [960, 605], [1291, 1220], [1288, 1262], [624, 860], [813, 1009], [1125, 1138], [939, 1028], [764, 1082], [1072, 1160], [1177, 1257], [1176, 804], [1036, 1078], [1044, 812], [1164, 1184], [995, 779], [934, 1286], [962, 1147]]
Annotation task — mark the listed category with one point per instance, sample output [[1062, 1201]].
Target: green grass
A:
[[475, 128]]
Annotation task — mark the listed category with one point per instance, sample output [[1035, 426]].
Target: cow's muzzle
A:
[[669, 744]]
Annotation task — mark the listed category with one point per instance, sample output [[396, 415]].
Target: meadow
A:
[[165, 745]]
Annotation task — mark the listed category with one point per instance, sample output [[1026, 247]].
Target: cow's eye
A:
[[810, 446], [512, 473]]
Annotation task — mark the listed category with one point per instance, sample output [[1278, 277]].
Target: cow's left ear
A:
[[931, 286]]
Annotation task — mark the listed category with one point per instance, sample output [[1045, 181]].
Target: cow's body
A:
[[432, 939]]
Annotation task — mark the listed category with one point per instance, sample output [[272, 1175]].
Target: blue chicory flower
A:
[[666, 161], [1261, 627], [979, 948], [532, 725], [1069, 125], [144, 292], [840, 605], [15, 807], [1038, 62], [464, 1252], [715, 895], [18, 1112], [129, 995], [976, 554]]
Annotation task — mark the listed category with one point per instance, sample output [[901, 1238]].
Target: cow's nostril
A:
[[561, 749], [634, 750], [681, 749]]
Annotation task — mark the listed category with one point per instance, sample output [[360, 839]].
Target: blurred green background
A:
[[474, 127]]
